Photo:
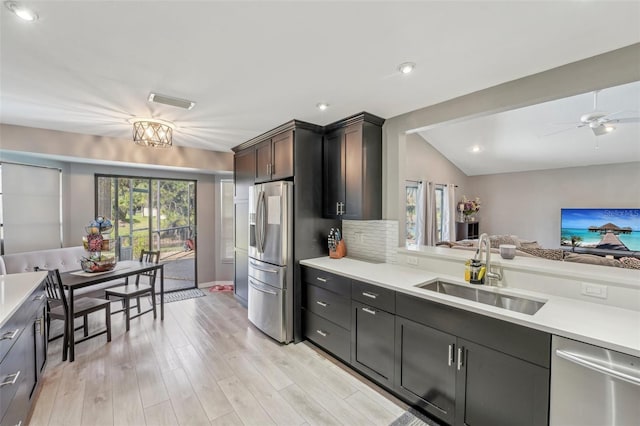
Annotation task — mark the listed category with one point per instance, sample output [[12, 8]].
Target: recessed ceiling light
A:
[[407, 67], [476, 148], [609, 129], [322, 106], [21, 11]]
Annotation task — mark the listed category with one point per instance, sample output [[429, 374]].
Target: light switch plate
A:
[[412, 260], [594, 290]]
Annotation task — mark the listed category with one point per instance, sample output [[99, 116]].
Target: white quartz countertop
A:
[[14, 291], [601, 325]]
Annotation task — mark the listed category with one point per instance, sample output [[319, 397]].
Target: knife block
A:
[[339, 252]]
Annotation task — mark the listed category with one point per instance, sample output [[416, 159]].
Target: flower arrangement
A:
[[469, 207]]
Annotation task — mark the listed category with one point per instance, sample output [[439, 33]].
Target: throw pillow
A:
[[592, 259], [496, 240], [551, 254], [630, 262]]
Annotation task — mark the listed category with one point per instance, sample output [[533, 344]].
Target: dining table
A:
[[74, 280]]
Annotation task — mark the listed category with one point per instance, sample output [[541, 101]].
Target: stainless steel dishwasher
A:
[[591, 385]]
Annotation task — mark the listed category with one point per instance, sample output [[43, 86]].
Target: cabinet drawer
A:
[[328, 305], [373, 295], [327, 280], [327, 335], [13, 370]]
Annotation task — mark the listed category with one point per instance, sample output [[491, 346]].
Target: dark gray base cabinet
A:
[[372, 335], [241, 276]]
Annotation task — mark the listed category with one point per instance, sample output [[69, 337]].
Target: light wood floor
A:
[[205, 364]]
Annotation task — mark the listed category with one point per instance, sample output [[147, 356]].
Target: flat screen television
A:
[[601, 229]]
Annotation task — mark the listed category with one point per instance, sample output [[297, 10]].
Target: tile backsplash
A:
[[375, 240]]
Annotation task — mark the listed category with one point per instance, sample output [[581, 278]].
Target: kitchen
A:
[[202, 362]]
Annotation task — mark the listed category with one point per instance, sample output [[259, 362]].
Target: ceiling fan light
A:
[[21, 11], [609, 128]]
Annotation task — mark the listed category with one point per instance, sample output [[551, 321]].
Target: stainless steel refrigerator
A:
[[270, 297]]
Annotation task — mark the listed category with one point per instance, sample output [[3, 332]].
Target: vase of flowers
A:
[[469, 208]]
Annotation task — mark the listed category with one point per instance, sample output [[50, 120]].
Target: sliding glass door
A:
[[153, 214]]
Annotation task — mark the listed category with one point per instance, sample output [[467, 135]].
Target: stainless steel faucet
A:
[[489, 274]]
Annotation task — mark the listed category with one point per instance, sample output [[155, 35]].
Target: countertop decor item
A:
[[337, 247]]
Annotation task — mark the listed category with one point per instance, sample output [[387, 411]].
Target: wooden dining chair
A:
[[58, 308], [138, 289]]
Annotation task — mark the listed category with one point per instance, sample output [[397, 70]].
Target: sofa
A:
[[64, 259]]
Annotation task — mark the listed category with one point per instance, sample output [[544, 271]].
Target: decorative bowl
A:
[[103, 264], [98, 229]]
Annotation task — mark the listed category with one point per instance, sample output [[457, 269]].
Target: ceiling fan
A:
[[600, 122]]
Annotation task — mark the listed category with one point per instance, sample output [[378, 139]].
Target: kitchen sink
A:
[[512, 303]]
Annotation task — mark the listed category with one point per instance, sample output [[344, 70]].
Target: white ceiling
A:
[[87, 67], [543, 136]]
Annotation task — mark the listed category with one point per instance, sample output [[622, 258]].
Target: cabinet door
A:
[[41, 338], [263, 161], [244, 172], [498, 389], [372, 342], [353, 172], [425, 368], [333, 173], [241, 281], [282, 164]]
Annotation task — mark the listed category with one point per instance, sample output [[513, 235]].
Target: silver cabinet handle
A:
[[460, 356], [321, 279], [451, 349], [370, 295], [369, 311], [38, 298], [341, 208], [40, 325], [322, 333], [324, 305], [273, 169], [11, 381], [337, 208], [10, 335], [577, 359]]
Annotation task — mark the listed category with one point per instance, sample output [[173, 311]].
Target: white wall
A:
[[528, 204], [606, 70]]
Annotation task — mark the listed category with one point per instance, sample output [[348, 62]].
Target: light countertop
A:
[[601, 325], [14, 291]]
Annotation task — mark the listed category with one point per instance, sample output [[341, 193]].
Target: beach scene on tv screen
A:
[[611, 229]]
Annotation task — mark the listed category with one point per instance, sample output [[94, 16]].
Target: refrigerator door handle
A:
[[259, 227], [263, 221]]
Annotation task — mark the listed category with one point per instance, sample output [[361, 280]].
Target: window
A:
[[226, 225], [410, 222]]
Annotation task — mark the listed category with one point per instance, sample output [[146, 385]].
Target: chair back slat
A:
[[53, 287], [149, 256]]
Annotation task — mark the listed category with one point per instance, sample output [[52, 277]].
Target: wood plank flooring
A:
[[204, 365]]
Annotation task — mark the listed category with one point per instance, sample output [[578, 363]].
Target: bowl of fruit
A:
[[99, 225], [98, 264]]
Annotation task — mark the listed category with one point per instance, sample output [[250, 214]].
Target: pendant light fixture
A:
[[152, 132]]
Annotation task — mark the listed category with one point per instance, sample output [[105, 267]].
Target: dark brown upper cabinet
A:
[[274, 158], [352, 158]]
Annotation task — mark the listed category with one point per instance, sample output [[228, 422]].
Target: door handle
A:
[[369, 311], [337, 208], [262, 290], [273, 169], [460, 358], [324, 305], [255, 265], [369, 295], [10, 335], [451, 351], [11, 381], [591, 365], [322, 333], [38, 298], [324, 280]]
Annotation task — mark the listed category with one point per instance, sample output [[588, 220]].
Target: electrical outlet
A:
[[594, 290], [412, 260], [359, 237]]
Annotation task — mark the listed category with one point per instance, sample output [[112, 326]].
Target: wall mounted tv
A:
[[601, 229]]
